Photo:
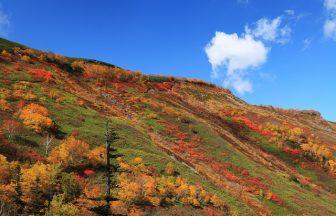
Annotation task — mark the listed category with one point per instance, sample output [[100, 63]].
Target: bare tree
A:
[[10, 127], [48, 141]]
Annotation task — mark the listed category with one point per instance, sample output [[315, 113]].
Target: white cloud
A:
[[330, 5], [329, 28], [237, 82], [270, 30], [236, 54], [4, 22]]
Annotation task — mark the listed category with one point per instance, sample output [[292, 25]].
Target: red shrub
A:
[[222, 169], [196, 155], [90, 75], [179, 149], [255, 184], [41, 75], [245, 173], [274, 198], [88, 172], [247, 122], [230, 176], [295, 152], [165, 86], [292, 152], [21, 104], [304, 181], [17, 67], [30, 156], [266, 133], [227, 112]]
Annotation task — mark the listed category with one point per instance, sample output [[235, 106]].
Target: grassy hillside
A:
[[185, 147]]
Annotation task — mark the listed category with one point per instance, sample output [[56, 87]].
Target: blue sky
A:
[[280, 53]]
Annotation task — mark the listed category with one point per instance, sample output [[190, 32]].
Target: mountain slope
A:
[[258, 160]]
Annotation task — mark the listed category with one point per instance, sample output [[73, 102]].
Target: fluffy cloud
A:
[[270, 30], [330, 23], [330, 28], [239, 54], [330, 5], [236, 54], [4, 22], [237, 82]]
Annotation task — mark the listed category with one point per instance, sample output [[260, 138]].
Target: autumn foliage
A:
[[138, 185], [36, 117], [71, 153], [41, 75]]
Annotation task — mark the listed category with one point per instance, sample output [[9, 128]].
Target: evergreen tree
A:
[[18, 190], [111, 168]]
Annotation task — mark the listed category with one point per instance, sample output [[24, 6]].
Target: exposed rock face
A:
[[311, 113]]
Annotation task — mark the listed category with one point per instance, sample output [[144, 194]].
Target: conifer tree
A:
[[111, 168], [18, 190]]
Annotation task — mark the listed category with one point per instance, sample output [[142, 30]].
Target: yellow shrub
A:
[[71, 152]]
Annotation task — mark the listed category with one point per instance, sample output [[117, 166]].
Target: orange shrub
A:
[[36, 117]]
